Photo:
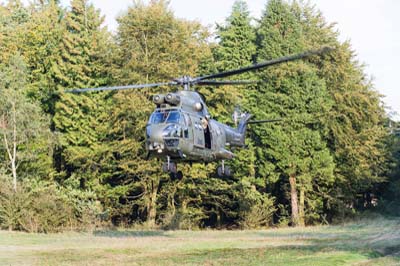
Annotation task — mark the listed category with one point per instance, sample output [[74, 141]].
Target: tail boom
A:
[[236, 136]]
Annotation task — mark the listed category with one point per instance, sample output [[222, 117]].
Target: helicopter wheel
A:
[[223, 171], [220, 173], [179, 175], [227, 171], [170, 169], [176, 176], [165, 167]]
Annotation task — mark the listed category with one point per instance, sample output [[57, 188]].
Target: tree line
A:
[[76, 161]]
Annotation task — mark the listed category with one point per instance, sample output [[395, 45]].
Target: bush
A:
[[33, 207], [12, 205], [87, 210], [255, 209], [42, 207], [188, 218]]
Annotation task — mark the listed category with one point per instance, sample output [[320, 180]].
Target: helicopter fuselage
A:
[[181, 129]]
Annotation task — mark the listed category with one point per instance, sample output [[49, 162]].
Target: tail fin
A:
[[243, 123], [242, 128]]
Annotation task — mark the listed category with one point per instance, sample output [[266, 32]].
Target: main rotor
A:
[[188, 82]]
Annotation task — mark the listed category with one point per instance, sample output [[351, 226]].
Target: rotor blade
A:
[[227, 82], [272, 62], [264, 121], [138, 86]]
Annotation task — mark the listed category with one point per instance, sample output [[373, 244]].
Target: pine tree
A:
[[236, 48], [153, 46], [355, 125], [81, 118], [294, 155], [40, 39]]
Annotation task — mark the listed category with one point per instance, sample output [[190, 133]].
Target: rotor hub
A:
[[185, 81]]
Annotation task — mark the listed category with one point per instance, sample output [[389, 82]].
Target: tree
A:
[[236, 48], [153, 46], [40, 38], [21, 121], [85, 51], [294, 153], [388, 192], [236, 37], [356, 124], [13, 18]]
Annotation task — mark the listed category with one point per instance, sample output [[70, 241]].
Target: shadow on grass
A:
[[299, 255], [366, 244], [128, 233], [376, 239], [393, 251]]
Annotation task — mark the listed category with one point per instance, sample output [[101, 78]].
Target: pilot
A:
[[207, 133], [165, 114], [204, 123]]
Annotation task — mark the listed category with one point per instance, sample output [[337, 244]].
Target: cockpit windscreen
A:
[[165, 117], [173, 117]]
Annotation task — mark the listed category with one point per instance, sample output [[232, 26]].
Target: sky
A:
[[372, 26]]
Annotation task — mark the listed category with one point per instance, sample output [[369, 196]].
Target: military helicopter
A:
[[181, 129]]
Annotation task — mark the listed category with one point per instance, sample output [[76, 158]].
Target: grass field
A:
[[375, 242]]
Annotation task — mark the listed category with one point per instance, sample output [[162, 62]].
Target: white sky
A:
[[372, 26]]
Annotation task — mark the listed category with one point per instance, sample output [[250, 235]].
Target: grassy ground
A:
[[365, 243]]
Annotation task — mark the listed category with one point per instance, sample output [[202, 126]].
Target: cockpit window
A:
[[165, 117], [158, 118], [173, 117]]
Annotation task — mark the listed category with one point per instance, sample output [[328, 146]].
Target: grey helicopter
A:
[[181, 129]]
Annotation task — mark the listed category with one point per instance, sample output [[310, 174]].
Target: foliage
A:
[[295, 156], [390, 190], [355, 125], [32, 208], [42, 207], [153, 45], [80, 119], [330, 155], [24, 129], [255, 209]]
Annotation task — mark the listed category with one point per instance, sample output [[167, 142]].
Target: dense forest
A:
[[71, 162]]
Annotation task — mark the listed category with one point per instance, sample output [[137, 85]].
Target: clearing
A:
[[374, 242]]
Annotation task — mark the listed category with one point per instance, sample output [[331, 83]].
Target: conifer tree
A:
[[81, 118], [294, 154], [236, 48], [153, 46], [355, 125], [40, 39]]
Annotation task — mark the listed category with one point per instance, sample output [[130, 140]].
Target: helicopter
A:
[[181, 129]]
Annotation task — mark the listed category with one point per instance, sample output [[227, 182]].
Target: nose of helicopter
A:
[[154, 137], [160, 135]]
